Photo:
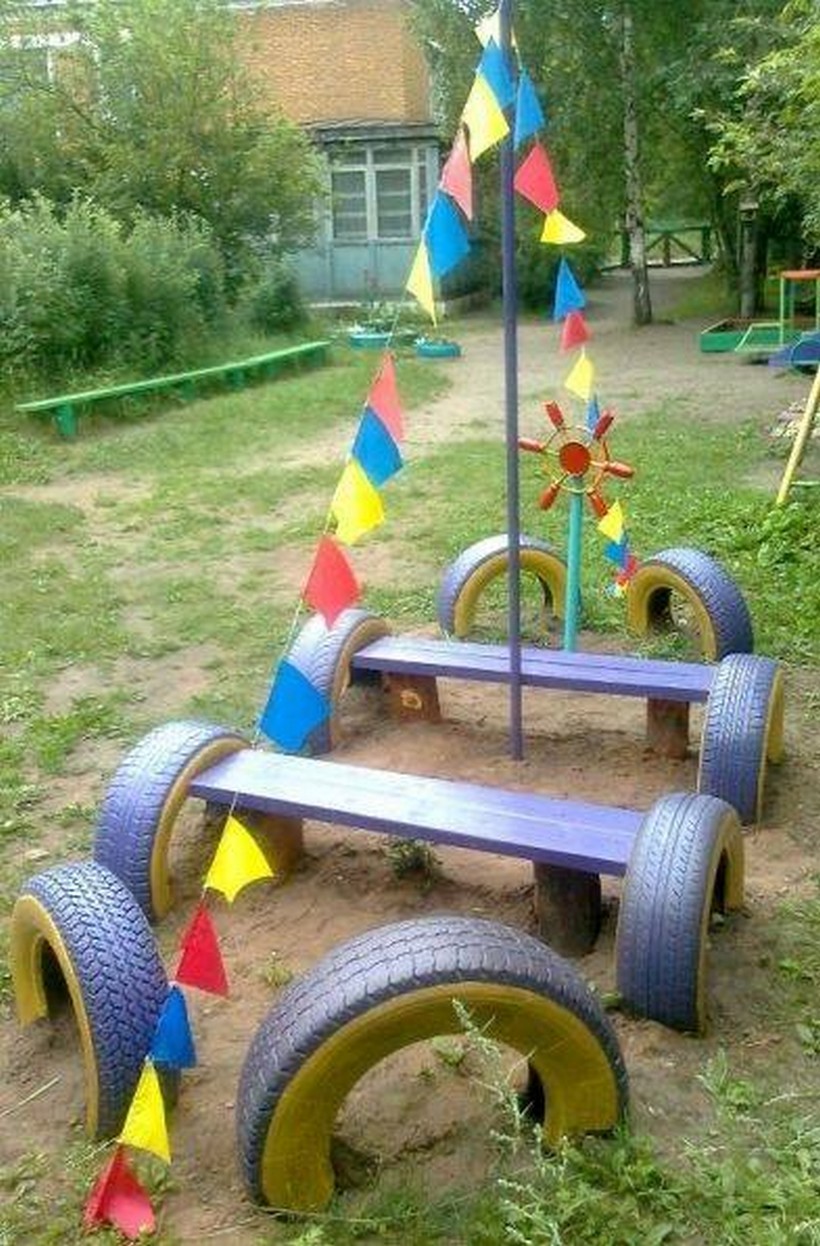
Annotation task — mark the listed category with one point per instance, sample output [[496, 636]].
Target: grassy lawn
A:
[[151, 570]]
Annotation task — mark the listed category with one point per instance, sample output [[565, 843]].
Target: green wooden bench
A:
[[63, 409]]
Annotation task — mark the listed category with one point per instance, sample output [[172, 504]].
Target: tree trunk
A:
[[748, 267], [642, 302]]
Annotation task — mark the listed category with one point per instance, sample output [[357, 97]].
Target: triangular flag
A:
[[375, 450], [574, 332], [484, 119], [173, 1043], [493, 66], [294, 709], [420, 281], [457, 175], [446, 237], [145, 1123], [384, 398], [535, 181], [568, 294], [612, 524], [332, 586], [630, 567], [118, 1198], [581, 378], [356, 505], [238, 861], [617, 551], [529, 116], [560, 230], [200, 962], [593, 412]]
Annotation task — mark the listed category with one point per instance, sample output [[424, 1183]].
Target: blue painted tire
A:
[[323, 656], [687, 860], [437, 350], [144, 800], [468, 575], [720, 614], [393, 986], [99, 938], [742, 731]]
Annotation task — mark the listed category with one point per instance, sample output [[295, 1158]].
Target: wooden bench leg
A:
[[667, 727], [281, 840], [567, 908], [414, 696]]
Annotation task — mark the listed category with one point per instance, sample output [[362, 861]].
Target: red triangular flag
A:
[[331, 586], [119, 1199], [200, 963], [575, 331], [384, 399], [534, 180], [457, 176]]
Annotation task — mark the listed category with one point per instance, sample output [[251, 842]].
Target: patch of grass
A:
[[705, 297]]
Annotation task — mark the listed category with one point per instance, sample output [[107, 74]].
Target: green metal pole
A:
[[572, 603]]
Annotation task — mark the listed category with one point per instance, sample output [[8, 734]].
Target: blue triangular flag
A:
[[529, 116], [293, 710], [617, 551], [568, 294], [173, 1042], [593, 412], [376, 451], [493, 65], [446, 237]]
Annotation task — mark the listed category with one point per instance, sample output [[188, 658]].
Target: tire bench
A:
[[743, 693], [679, 860], [64, 407]]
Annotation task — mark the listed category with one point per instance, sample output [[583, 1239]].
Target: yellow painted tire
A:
[[144, 800], [742, 732], [480, 564], [686, 862], [82, 921], [719, 620], [323, 654], [395, 986]]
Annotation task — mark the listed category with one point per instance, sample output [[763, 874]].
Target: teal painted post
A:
[[66, 420], [571, 605]]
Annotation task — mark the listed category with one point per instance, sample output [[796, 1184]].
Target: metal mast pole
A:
[[510, 304]]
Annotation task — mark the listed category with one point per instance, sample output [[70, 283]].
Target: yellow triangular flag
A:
[[484, 119], [356, 505], [145, 1123], [420, 281], [557, 228], [238, 860], [612, 524], [581, 379]]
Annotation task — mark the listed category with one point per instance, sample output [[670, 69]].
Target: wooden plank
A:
[[616, 674], [591, 838]]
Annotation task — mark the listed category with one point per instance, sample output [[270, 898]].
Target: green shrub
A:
[[80, 292], [274, 304]]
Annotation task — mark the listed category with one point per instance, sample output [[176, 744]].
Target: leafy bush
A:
[[275, 303], [80, 291]]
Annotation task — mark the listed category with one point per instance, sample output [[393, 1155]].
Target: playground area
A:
[[421, 1112]]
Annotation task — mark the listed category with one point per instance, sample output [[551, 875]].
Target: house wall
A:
[[338, 60]]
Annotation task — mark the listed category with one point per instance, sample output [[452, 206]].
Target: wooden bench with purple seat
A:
[[680, 859], [412, 665]]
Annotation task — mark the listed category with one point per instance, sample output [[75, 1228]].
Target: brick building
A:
[[353, 74]]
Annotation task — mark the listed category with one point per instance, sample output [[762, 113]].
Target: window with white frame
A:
[[379, 193]]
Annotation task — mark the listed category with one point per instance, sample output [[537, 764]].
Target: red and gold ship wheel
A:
[[577, 459]]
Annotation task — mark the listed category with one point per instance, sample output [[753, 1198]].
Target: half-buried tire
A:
[[686, 862], [395, 986], [144, 800], [83, 920], [466, 578]]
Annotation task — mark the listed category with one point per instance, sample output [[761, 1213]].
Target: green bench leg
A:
[[65, 418]]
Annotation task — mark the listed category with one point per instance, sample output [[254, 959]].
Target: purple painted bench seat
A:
[[589, 838], [616, 674]]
